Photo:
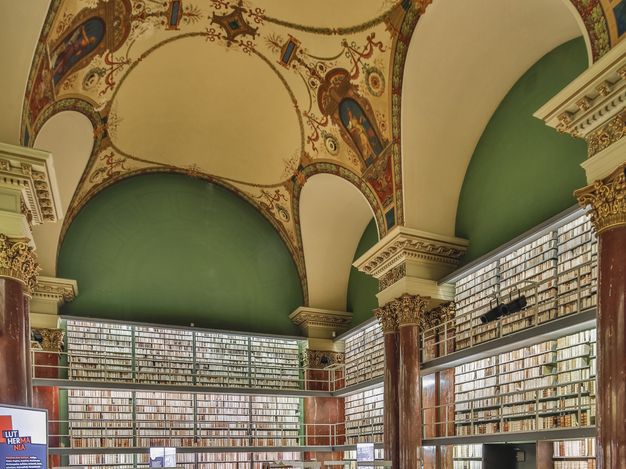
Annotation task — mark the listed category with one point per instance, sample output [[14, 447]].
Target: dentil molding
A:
[[321, 323], [32, 173]]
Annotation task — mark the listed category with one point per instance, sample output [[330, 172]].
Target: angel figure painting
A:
[[75, 46], [361, 130]]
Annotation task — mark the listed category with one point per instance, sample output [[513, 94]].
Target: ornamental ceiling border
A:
[[105, 167]]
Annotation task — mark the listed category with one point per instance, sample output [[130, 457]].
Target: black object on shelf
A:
[[504, 309]]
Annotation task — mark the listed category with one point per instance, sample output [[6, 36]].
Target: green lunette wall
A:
[[522, 172], [362, 288], [170, 249]]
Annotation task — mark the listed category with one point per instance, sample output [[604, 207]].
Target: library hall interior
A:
[[255, 234]]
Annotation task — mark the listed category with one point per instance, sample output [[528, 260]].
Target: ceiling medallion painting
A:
[[231, 94]]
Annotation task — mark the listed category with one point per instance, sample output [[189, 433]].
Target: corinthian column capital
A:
[[18, 261], [388, 318], [411, 309], [607, 199], [51, 339]]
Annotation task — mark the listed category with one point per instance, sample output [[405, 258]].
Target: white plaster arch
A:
[[462, 60], [333, 216], [68, 135]]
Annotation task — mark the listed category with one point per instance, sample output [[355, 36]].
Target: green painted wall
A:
[[362, 288], [166, 248], [522, 171]]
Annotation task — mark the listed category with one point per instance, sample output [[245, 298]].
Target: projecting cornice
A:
[[321, 323], [32, 173], [433, 254], [593, 107], [59, 290]]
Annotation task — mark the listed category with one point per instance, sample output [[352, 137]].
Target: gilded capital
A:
[[388, 318], [51, 339], [322, 358], [607, 199], [18, 262], [410, 309]]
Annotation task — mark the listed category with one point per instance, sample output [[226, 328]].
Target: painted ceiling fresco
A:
[[247, 94], [223, 90]]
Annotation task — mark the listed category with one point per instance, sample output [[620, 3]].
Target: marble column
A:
[[607, 199], [325, 415], [391, 439], [411, 310], [323, 361], [46, 365], [18, 271]]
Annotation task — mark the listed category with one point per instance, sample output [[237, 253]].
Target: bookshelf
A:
[[556, 273], [118, 352], [99, 351], [364, 354], [272, 361], [364, 416], [547, 385], [577, 266], [164, 419], [163, 355], [531, 271], [474, 296], [575, 454], [467, 457], [100, 418]]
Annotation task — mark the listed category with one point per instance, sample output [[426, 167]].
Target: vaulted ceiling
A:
[[259, 96]]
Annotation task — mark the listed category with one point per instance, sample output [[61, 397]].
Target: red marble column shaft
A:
[[410, 400], [611, 402], [391, 441], [15, 372], [326, 413], [47, 397]]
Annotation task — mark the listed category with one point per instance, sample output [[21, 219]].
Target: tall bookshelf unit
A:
[[364, 354], [549, 384], [364, 416], [104, 416]]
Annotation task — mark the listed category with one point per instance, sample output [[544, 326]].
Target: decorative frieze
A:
[[606, 135], [396, 273], [322, 358], [607, 199], [321, 323], [58, 290], [50, 340], [18, 261], [32, 173]]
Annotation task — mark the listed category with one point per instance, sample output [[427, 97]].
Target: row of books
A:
[[364, 355], [161, 355]]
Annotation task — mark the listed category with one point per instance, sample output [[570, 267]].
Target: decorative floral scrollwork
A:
[[17, 261]]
